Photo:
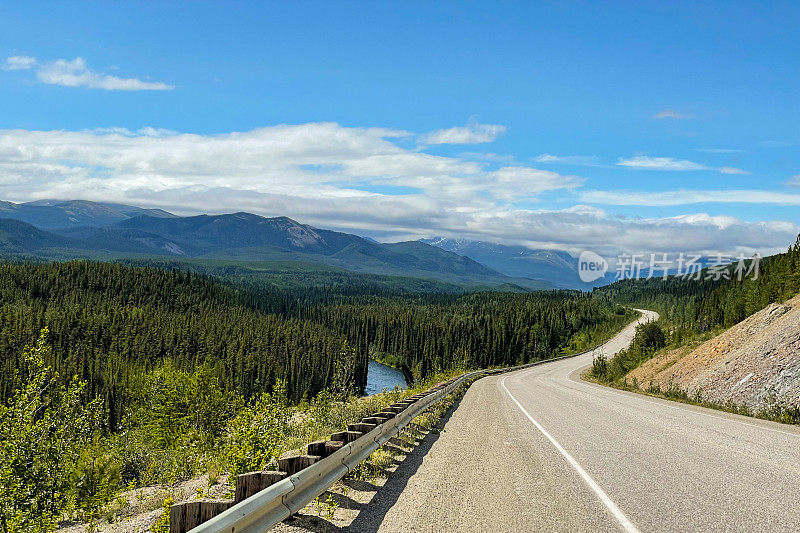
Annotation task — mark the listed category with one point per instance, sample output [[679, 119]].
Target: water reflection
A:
[[381, 377]]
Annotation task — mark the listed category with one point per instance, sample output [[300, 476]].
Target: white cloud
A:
[[685, 197], [643, 162], [486, 187], [733, 170], [524, 182], [144, 132], [267, 160], [470, 134], [580, 228], [274, 171], [487, 156], [671, 113], [76, 73], [582, 160], [794, 181], [660, 163], [19, 63]]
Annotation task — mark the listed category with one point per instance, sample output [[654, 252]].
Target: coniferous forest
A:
[[691, 305], [110, 324], [119, 376], [693, 310]]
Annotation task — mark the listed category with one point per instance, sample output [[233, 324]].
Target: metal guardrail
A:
[[277, 502]]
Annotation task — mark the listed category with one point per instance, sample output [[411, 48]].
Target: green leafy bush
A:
[[648, 340], [98, 476], [43, 428], [256, 434]]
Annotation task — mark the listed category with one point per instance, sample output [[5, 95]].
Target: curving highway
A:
[[542, 450]]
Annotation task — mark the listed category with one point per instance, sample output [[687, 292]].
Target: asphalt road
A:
[[542, 450]]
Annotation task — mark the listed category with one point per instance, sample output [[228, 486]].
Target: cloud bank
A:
[[685, 197], [327, 175]]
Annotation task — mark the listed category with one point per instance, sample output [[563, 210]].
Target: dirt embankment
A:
[[756, 363]]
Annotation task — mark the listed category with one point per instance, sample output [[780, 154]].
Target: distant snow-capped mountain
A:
[[556, 267]]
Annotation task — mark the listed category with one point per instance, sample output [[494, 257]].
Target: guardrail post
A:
[[363, 428], [253, 482], [177, 518], [346, 436], [292, 465], [324, 448], [186, 516]]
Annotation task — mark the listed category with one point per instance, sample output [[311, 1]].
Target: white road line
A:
[[626, 524]]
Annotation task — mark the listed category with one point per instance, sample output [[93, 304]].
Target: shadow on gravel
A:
[[360, 486], [343, 501], [372, 514]]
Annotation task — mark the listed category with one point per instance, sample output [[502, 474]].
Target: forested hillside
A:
[[431, 333], [691, 310], [704, 304], [109, 324]]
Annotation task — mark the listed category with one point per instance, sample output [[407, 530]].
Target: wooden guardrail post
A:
[[346, 436], [186, 516], [292, 465], [253, 482], [362, 427], [324, 448]]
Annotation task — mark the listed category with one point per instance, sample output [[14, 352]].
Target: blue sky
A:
[[628, 126]]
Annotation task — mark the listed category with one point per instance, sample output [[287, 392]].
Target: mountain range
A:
[[66, 229], [55, 214], [555, 267]]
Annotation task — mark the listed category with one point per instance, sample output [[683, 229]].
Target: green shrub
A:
[[172, 403], [43, 428], [648, 340], [98, 476], [649, 337], [255, 436], [600, 367]]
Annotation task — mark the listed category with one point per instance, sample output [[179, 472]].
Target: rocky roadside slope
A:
[[755, 364]]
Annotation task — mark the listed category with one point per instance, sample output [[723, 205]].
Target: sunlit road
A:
[[542, 450]]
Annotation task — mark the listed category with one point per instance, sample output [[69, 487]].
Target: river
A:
[[380, 376]]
